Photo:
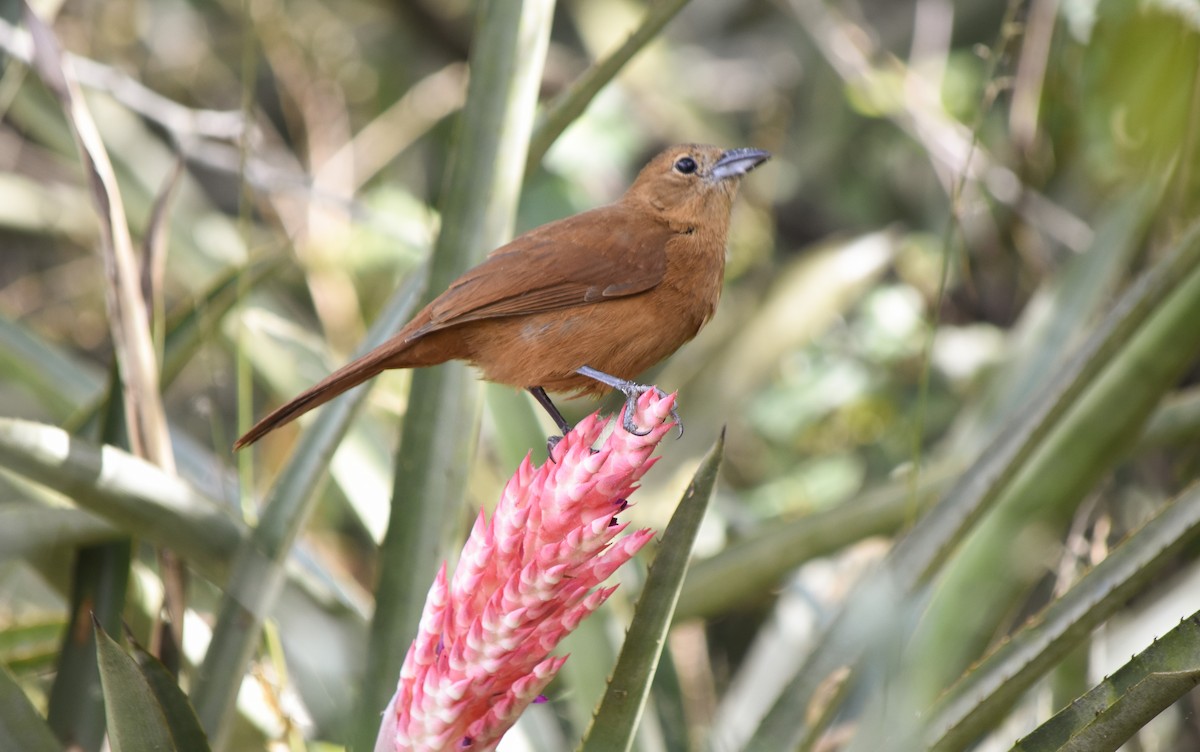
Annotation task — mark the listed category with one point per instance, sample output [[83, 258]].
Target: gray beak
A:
[[737, 162]]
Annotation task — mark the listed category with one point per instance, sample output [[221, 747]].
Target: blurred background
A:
[[959, 192]]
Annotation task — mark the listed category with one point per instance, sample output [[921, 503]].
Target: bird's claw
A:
[[632, 393]]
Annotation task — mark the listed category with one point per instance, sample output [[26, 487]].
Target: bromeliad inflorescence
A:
[[525, 579]]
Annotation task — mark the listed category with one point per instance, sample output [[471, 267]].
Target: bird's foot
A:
[[632, 393]]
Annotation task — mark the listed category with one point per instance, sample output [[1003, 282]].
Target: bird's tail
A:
[[347, 377]]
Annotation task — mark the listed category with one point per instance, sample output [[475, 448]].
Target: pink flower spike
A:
[[525, 579]]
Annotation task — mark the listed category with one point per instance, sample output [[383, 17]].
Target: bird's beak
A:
[[737, 162]]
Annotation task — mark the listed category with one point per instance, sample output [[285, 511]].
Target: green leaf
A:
[[621, 709], [139, 498], [1114, 710], [146, 710], [181, 717], [27, 529], [981, 698], [99, 583], [259, 566], [483, 184], [593, 653], [985, 576], [1156, 310], [21, 726]]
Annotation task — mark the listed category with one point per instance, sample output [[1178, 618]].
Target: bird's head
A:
[[694, 182]]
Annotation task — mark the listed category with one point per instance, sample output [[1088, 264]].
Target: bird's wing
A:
[[604, 253]]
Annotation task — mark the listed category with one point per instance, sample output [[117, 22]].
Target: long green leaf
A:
[[985, 577], [438, 438], [621, 709], [258, 569], [138, 498], [99, 582], [979, 488], [28, 529], [984, 695], [1112, 712]]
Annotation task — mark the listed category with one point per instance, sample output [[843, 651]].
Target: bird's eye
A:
[[685, 165]]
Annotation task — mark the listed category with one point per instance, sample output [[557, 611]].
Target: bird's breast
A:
[[694, 277]]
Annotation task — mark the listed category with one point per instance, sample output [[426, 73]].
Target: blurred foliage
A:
[[960, 194]]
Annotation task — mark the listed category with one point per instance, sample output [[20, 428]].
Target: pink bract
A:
[[525, 579]]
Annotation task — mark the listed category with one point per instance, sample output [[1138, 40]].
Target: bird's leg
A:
[[543, 399], [632, 391]]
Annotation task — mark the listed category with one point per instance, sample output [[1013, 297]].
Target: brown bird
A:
[[583, 304]]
